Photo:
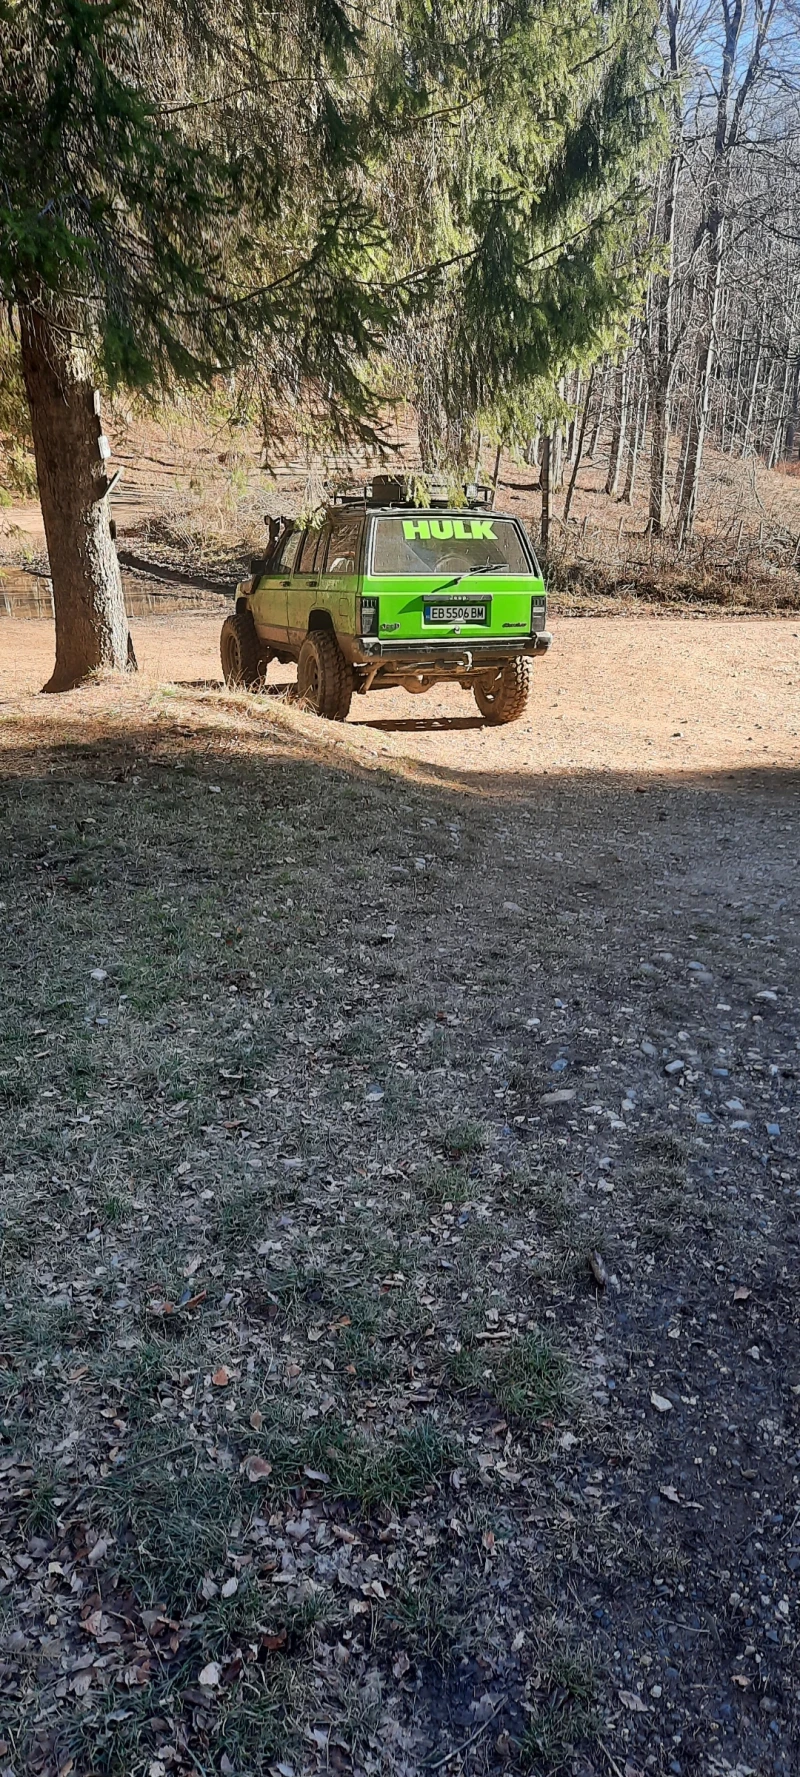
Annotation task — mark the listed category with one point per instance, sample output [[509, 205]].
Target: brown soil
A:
[[625, 694], [409, 1110]]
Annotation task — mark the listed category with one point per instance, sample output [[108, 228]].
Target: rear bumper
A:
[[445, 658]]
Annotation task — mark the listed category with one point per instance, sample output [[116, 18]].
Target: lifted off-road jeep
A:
[[384, 592]]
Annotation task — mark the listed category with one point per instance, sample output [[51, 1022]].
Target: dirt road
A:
[[617, 694]]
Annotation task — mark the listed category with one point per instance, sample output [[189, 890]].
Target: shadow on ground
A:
[[412, 1088]]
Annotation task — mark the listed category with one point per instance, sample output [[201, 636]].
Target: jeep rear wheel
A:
[[244, 661], [324, 679], [501, 696]]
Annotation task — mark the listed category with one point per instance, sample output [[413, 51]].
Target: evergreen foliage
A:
[[190, 188], [526, 187]]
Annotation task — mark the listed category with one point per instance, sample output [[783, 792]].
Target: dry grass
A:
[[310, 1450]]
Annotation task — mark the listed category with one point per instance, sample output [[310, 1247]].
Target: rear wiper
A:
[[489, 567]]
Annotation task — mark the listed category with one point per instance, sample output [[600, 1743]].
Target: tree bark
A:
[[598, 423], [619, 426], [545, 485], [661, 364], [91, 622], [576, 461], [636, 440]]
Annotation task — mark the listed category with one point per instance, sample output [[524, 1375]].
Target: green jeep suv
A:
[[384, 594]]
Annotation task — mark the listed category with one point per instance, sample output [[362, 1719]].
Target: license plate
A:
[[455, 613]]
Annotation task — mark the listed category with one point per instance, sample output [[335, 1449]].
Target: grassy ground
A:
[[399, 1349]]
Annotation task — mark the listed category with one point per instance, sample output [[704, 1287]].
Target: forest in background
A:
[[567, 235]]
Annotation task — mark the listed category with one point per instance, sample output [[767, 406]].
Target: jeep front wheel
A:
[[501, 696], [324, 679], [243, 660]]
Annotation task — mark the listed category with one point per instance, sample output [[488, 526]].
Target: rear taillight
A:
[[369, 617]]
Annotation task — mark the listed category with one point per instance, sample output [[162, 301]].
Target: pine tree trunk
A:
[[91, 623]]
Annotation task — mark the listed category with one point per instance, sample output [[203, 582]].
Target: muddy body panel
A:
[[411, 596]]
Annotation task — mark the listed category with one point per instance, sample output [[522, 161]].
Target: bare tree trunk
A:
[[545, 485], [91, 623], [496, 473], [794, 414], [698, 425], [661, 356], [712, 232], [748, 424], [601, 408], [576, 462], [618, 427], [636, 438]]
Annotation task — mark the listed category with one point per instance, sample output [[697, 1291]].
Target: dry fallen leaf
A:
[[256, 1469], [210, 1675], [742, 1680], [598, 1269], [740, 1294], [670, 1493], [221, 1377], [661, 1404]]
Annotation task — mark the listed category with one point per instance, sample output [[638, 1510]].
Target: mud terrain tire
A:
[[244, 660], [324, 679], [501, 697]]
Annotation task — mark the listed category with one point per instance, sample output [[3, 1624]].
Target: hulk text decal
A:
[[442, 528]]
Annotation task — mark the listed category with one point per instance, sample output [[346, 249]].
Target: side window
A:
[[343, 546], [286, 559], [306, 563], [324, 539]]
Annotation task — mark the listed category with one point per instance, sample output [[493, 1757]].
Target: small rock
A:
[[565, 1096], [649, 1049], [511, 907], [734, 1104], [675, 1067], [773, 1129], [98, 975], [374, 1094], [661, 1404], [754, 1353], [767, 994]]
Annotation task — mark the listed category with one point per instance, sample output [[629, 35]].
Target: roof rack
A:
[[404, 491]]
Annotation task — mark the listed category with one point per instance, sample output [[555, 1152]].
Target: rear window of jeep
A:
[[453, 545]]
